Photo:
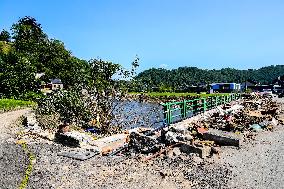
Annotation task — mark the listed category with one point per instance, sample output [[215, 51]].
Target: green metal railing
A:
[[177, 111]]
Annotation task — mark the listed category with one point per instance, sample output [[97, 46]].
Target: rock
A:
[[180, 128], [170, 154], [197, 159], [67, 140], [187, 137], [171, 137], [215, 150], [176, 151]]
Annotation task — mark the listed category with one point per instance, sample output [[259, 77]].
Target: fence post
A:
[[195, 106], [165, 113], [204, 104], [170, 114], [184, 109]]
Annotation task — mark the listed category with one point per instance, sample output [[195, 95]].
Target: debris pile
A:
[[202, 134], [226, 125]]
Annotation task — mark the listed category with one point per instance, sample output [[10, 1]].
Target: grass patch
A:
[[29, 169], [12, 104]]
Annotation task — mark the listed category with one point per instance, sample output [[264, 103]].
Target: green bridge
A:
[[177, 111]]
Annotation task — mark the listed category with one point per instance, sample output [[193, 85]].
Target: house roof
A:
[[56, 81]]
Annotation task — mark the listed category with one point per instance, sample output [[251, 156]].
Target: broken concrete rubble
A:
[[202, 151], [74, 138], [202, 134], [171, 137], [143, 144], [223, 137]]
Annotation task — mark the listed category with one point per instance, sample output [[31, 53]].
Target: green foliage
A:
[[248, 91], [31, 156], [101, 73], [17, 75], [89, 103], [28, 36], [5, 36], [10, 104], [185, 77], [69, 104], [32, 96], [5, 47], [33, 52]]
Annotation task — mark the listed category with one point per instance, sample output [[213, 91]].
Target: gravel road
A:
[[13, 160], [259, 164]]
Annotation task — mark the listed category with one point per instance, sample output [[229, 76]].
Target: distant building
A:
[[54, 84], [225, 87], [39, 75], [278, 86], [249, 84]]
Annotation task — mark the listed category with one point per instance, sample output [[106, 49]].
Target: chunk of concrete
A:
[[109, 144], [223, 138], [180, 128], [202, 151], [144, 144]]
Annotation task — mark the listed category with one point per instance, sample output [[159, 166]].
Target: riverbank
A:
[[157, 97]]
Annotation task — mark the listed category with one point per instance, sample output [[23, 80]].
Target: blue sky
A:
[[164, 33]]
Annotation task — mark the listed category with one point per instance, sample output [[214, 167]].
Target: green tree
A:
[[102, 72], [5, 36], [17, 75], [28, 35]]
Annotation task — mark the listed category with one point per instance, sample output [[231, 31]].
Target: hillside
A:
[[183, 77]]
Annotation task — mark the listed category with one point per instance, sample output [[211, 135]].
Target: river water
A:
[[132, 114]]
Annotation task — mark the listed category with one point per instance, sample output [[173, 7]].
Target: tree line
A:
[[183, 78]]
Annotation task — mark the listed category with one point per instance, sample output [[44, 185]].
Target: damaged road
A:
[[174, 158]]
